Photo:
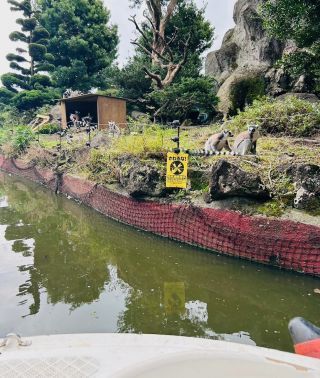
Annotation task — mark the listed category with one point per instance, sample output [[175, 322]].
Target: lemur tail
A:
[[201, 152]]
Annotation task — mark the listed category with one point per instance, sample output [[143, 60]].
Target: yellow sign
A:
[[177, 170]]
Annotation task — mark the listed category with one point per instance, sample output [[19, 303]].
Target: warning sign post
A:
[[177, 170]]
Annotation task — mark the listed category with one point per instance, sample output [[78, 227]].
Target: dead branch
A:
[[155, 77], [159, 49]]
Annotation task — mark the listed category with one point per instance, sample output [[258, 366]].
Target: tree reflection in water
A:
[[78, 263]]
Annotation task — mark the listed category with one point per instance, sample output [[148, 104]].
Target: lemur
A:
[[75, 118], [217, 142], [214, 145], [246, 142]]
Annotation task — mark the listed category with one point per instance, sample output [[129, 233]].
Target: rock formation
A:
[[138, 179], [228, 180], [248, 53]]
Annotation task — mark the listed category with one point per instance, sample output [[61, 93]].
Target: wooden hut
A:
[[103, 109]]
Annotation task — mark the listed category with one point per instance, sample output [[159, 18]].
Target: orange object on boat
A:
[[309, 348], [306, 337]]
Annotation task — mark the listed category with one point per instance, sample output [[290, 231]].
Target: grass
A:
[[150, 142]]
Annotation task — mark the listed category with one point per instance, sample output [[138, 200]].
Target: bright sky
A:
[[218, 12]]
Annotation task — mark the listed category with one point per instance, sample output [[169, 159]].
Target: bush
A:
[[16, 140], [290, 117], [49, 129], [11, 117]]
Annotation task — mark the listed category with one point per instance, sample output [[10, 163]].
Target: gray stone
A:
[[248, 50], [101, 139], [228, 180], [305, 200], [245, 46], [140, 180], [307, 176]]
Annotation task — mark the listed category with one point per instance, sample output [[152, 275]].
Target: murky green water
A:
[[66, 269]]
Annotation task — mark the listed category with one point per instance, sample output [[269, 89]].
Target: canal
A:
[[66, 269]]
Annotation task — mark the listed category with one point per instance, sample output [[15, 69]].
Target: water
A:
[[66, 269]]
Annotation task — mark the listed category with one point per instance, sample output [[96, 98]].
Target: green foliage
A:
[[82, 42], [178, 98], [27, 100], [16, 139], [132, 80], [5, 96], [151, 139], [274, 208], [292, 117], [49, 129], [186, 97], [299, 20], [21, 138], [10, 117], [36, 38], [37, 51], [245, 91]]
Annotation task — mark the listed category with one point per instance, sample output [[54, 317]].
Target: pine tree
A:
[[32, 62], [82, 41]]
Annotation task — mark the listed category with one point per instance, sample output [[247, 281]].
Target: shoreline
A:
[[281, 243]]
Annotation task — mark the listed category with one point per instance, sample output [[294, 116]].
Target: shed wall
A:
[[63, 115], [111, 109]]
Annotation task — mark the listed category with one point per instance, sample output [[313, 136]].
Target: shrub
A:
[[290, 117], [22, 136], [49, 129], [16, 139]]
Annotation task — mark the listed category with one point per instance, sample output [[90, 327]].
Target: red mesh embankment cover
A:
[[286, 244]]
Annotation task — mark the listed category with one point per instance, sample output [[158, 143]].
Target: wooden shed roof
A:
[[90, 96]]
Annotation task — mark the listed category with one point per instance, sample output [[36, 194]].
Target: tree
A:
[[185, 99], [33, 61], [136, 83], [171, 32], [82, 42], [299, 20]]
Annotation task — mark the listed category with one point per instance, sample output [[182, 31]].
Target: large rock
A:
[[306, 179], [245, 46], [139, 179], [246, 49], [307, 176], [228, 180]]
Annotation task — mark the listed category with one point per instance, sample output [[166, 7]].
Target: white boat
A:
[[145, 356]]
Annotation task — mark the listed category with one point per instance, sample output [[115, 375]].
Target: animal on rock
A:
[[246, 142], [217, 142]]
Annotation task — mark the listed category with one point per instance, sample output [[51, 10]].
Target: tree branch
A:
[[155, 77]]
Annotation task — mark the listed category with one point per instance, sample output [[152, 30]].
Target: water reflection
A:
[[67, 269]]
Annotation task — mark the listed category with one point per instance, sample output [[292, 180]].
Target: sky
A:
[[218, 12]]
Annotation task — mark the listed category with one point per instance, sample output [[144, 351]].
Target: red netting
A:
[[285, 244]]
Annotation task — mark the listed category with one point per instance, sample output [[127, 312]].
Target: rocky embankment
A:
[[247, 57]]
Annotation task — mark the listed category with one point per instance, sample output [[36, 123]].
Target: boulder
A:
[[230, 102], [228, 180], [306, 179], [101, 139], [307, 176], [140, 180], [248, 49], [312, 98], [246, 46], [305, 200]]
